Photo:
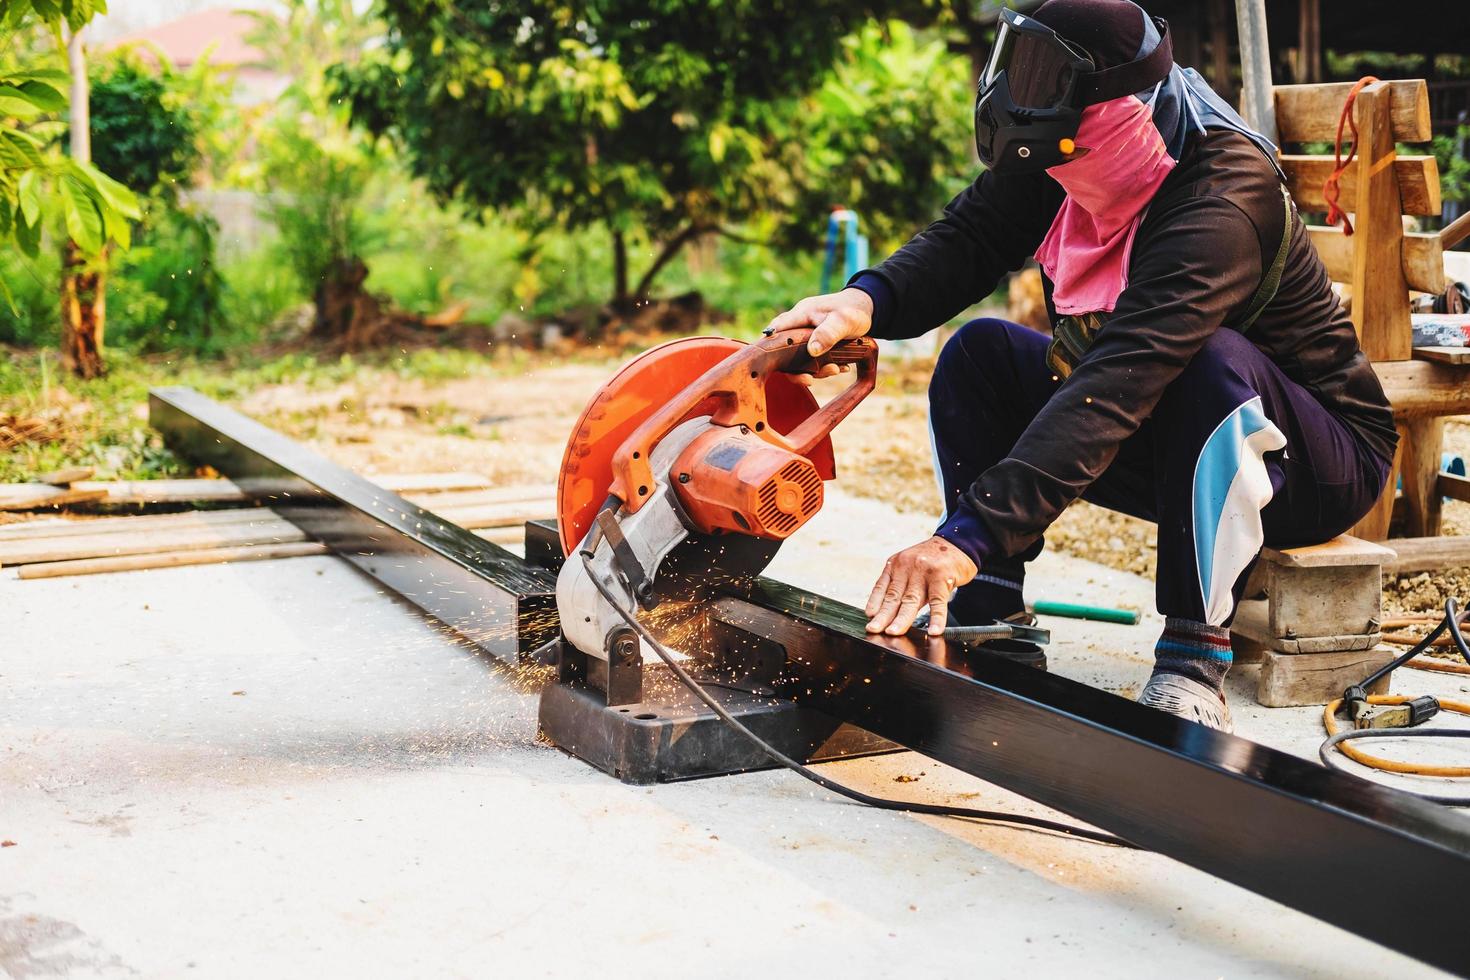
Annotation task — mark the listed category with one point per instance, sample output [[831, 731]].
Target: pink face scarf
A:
[[1085, 252]]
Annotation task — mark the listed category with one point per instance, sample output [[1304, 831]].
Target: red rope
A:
[[1339, 164]]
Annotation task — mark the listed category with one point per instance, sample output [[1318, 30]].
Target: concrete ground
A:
[[273, 769]]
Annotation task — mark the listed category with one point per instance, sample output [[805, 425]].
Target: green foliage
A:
[[313, 168], [673, 119], [1454, 169], [141, 136], [34, 183], [166, 291]]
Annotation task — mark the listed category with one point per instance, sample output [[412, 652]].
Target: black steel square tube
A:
[[1351, 852], [494, 599]]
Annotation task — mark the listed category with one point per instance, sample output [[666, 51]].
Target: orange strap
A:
[[1340, 164]]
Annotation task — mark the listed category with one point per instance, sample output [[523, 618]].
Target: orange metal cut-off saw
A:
[[695, 461]]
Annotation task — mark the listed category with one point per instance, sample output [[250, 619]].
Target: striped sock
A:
[[993, 594], [1195, 650]]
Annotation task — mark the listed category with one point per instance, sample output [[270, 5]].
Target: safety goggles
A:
[[1042, 71]]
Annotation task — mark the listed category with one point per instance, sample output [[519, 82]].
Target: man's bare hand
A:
[[836, 316], [925, 575]]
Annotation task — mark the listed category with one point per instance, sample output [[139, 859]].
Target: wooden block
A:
[[171, 559], [1443, 355], [1425, 388], [1422, 260], [1317, 678], [1309, 113], [1328, 600], [1418, 178], [1341, 550], [66, 477], [1427, 554], [1421, 439], [1380, 310], [1253, 630]]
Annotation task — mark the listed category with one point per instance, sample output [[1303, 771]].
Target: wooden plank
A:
[[184, 491], [475, 498], [1443, 355], [1380, 310], [1341, 550], [1420, 388], [1418, 178], [1428, 554], [35, 496], [1291, 680], [171, 559], [36, 530], [497, 515], [1423, 262], [1422, 440], [1309, 113], [66, 477], [1422, 259], [406, 483], [1454, 487], [24, 552]]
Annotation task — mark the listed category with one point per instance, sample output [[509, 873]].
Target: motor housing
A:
[[731, 479]]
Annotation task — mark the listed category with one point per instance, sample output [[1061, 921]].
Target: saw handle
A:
[[737, 386]]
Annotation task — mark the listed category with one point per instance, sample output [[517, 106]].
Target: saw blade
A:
[[635, 393]]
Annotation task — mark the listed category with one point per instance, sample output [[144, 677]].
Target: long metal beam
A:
[[1353, 853], [1322, 841], [494, 599]]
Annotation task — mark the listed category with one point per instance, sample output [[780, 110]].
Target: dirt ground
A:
[[511, 424]]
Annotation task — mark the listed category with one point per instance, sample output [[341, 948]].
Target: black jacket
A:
[[1212, 229]]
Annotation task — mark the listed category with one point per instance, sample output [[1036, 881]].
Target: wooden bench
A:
[[1380, 264]]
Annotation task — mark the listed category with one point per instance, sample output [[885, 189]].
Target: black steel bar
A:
[[1353, 853], [1379, 862], [491, 597]]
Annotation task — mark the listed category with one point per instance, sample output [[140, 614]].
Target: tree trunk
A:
[[83, 311], [620, 302], [670, 249], [83, 278]]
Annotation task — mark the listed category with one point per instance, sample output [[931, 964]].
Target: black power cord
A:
[[1356, 700], [1015, 820]]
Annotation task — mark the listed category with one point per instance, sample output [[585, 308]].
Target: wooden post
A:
[[1309, 41], [1380, 292], [1220, 77], [83, 277], [1256, 103], [1423, 439]]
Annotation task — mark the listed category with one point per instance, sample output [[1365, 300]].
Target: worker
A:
[[1201, 373]]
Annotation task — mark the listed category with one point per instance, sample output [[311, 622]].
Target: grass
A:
[[104, 422]]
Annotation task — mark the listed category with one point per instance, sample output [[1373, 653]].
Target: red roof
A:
[[185, 40]]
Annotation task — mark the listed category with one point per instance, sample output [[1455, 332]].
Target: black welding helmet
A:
[[1036, 84]]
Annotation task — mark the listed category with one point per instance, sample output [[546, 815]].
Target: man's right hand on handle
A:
[[835, 317]]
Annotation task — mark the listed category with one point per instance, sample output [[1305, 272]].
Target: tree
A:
[[37, 186], [671, 119], [315, 168]]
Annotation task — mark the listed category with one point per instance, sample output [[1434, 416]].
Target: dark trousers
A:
[[1235, 455]]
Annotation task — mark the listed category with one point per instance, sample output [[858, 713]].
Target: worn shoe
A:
[[1187, 699]]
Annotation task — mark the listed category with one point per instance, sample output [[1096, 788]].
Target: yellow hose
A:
[[1333, 726]]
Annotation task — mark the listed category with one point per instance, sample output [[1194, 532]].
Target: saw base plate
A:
[[677, 737]]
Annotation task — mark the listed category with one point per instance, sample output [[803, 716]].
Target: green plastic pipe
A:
[[1071, 610]]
